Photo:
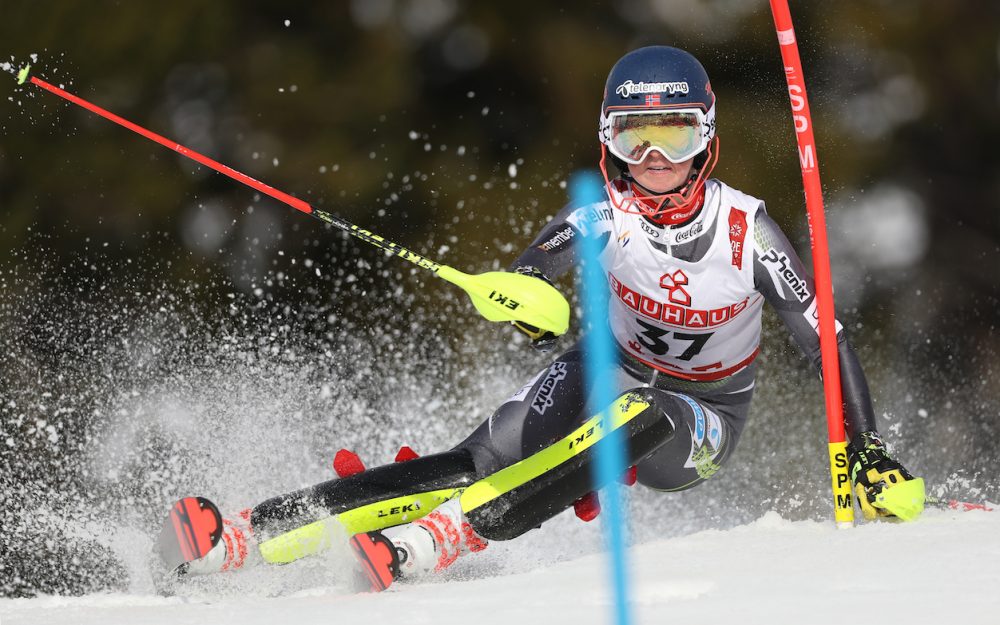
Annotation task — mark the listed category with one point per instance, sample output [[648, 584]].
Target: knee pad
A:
[[695, 454]]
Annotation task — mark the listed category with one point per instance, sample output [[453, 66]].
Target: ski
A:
[[954, 504], [192, 529]]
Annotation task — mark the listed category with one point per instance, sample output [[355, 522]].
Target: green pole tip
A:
[[23, 74]]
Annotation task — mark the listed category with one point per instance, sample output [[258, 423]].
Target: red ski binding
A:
[[406, 454], [587, 507], [347, 463]]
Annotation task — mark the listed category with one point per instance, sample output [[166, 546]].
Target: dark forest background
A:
[[127, 272]]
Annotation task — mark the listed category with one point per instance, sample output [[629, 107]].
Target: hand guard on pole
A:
[[884, 488], [541, 340]]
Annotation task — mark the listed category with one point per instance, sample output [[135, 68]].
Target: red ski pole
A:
[[497, 295], [841, 481]]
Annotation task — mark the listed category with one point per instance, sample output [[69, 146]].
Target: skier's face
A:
[[655, 173]]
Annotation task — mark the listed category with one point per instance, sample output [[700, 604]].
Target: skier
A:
[[689, 263]]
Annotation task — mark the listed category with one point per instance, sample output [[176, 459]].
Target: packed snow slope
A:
[[941, 569]]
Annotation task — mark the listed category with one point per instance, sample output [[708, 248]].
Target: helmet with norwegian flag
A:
[[658, 98]]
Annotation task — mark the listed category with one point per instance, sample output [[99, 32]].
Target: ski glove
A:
[[541, 340], [883, 487]]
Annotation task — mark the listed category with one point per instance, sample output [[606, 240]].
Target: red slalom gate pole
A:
[[840, 480]]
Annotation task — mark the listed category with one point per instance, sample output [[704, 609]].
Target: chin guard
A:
[[666, 209]]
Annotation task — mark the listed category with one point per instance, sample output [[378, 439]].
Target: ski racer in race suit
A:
[[689, 262]]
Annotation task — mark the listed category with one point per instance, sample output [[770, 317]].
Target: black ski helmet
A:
[[662, 78]]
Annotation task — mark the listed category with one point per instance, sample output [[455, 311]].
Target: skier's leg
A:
[[644, 417], [306, 521], [523, 495], [707, 418], [708, 429], [541, 412], [544, 410]]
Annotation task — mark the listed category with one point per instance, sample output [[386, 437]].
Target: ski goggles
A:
[[679, 134]]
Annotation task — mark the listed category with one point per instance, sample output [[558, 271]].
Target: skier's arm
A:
[[882, 485], [549, 256], [553, 252], [781, 277]]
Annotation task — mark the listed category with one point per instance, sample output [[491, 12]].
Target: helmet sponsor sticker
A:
[[628, 88]]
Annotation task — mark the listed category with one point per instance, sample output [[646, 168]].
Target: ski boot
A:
[[235, 549], [434, 542], [884, 488]]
